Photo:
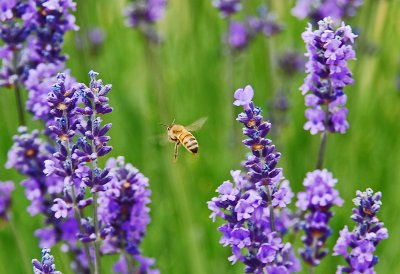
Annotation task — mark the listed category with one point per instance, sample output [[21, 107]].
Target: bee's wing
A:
[[196, 125], [160, 139]]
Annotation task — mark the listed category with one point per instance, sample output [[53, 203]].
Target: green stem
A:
[[77, 212], [20, 106], [96, 232], [271, 210], [322, 150], [17, 89], [78, 217], [129, 262], [22, 250], [324, 136], [97, 262]]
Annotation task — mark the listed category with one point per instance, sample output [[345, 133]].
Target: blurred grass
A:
[[190, 71]]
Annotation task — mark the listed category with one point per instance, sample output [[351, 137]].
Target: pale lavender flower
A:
[[244, 97], [328, 50], [61, 208]]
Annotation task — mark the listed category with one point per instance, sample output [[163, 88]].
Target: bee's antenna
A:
[[163, 125], [173, 121]]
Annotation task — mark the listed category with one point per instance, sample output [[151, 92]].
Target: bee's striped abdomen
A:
[[189, 141]]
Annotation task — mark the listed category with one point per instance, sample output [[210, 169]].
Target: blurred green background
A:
[[186, 78]]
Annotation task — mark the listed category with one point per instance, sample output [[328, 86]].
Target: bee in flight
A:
[[181, 135]]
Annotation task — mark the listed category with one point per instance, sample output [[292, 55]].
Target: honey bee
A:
[[182, 135]]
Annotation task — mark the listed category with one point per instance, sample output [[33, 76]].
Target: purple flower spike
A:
[[143, 14], [254, 205], [328, 50], [46, 265], [33, 34], [227, 7], [123, 209], [53, 20], [5, 198], [358, 246], [265, 22], [318, 10], [316, 202], [237, 36]]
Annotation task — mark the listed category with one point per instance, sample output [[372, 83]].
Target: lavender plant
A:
[[328, 50], [82, 140], [28, 156], [5, 199], [364, 238], [316, 203], [125, 215], [143, 14], [241, 32], [254, 207], [32, 34], [46, 265], [318, 10]]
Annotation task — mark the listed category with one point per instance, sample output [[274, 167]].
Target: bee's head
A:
[[169, 126]]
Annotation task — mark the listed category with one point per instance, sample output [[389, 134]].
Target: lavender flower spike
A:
[[143, 14], [5, 198], [316, 202], [227, 7], [328, 50], [46, 265], [124, 212], [254, 205], [364, 238], [317, 10]]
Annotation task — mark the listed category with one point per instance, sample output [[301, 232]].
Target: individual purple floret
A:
[[46, 265], [124, 214], [227, 7], [328, 50], [318, 10], [254, 205], [358, 246], [5, 198], [316, 203]]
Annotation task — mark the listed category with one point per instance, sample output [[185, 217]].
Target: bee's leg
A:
[[176, 151]]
